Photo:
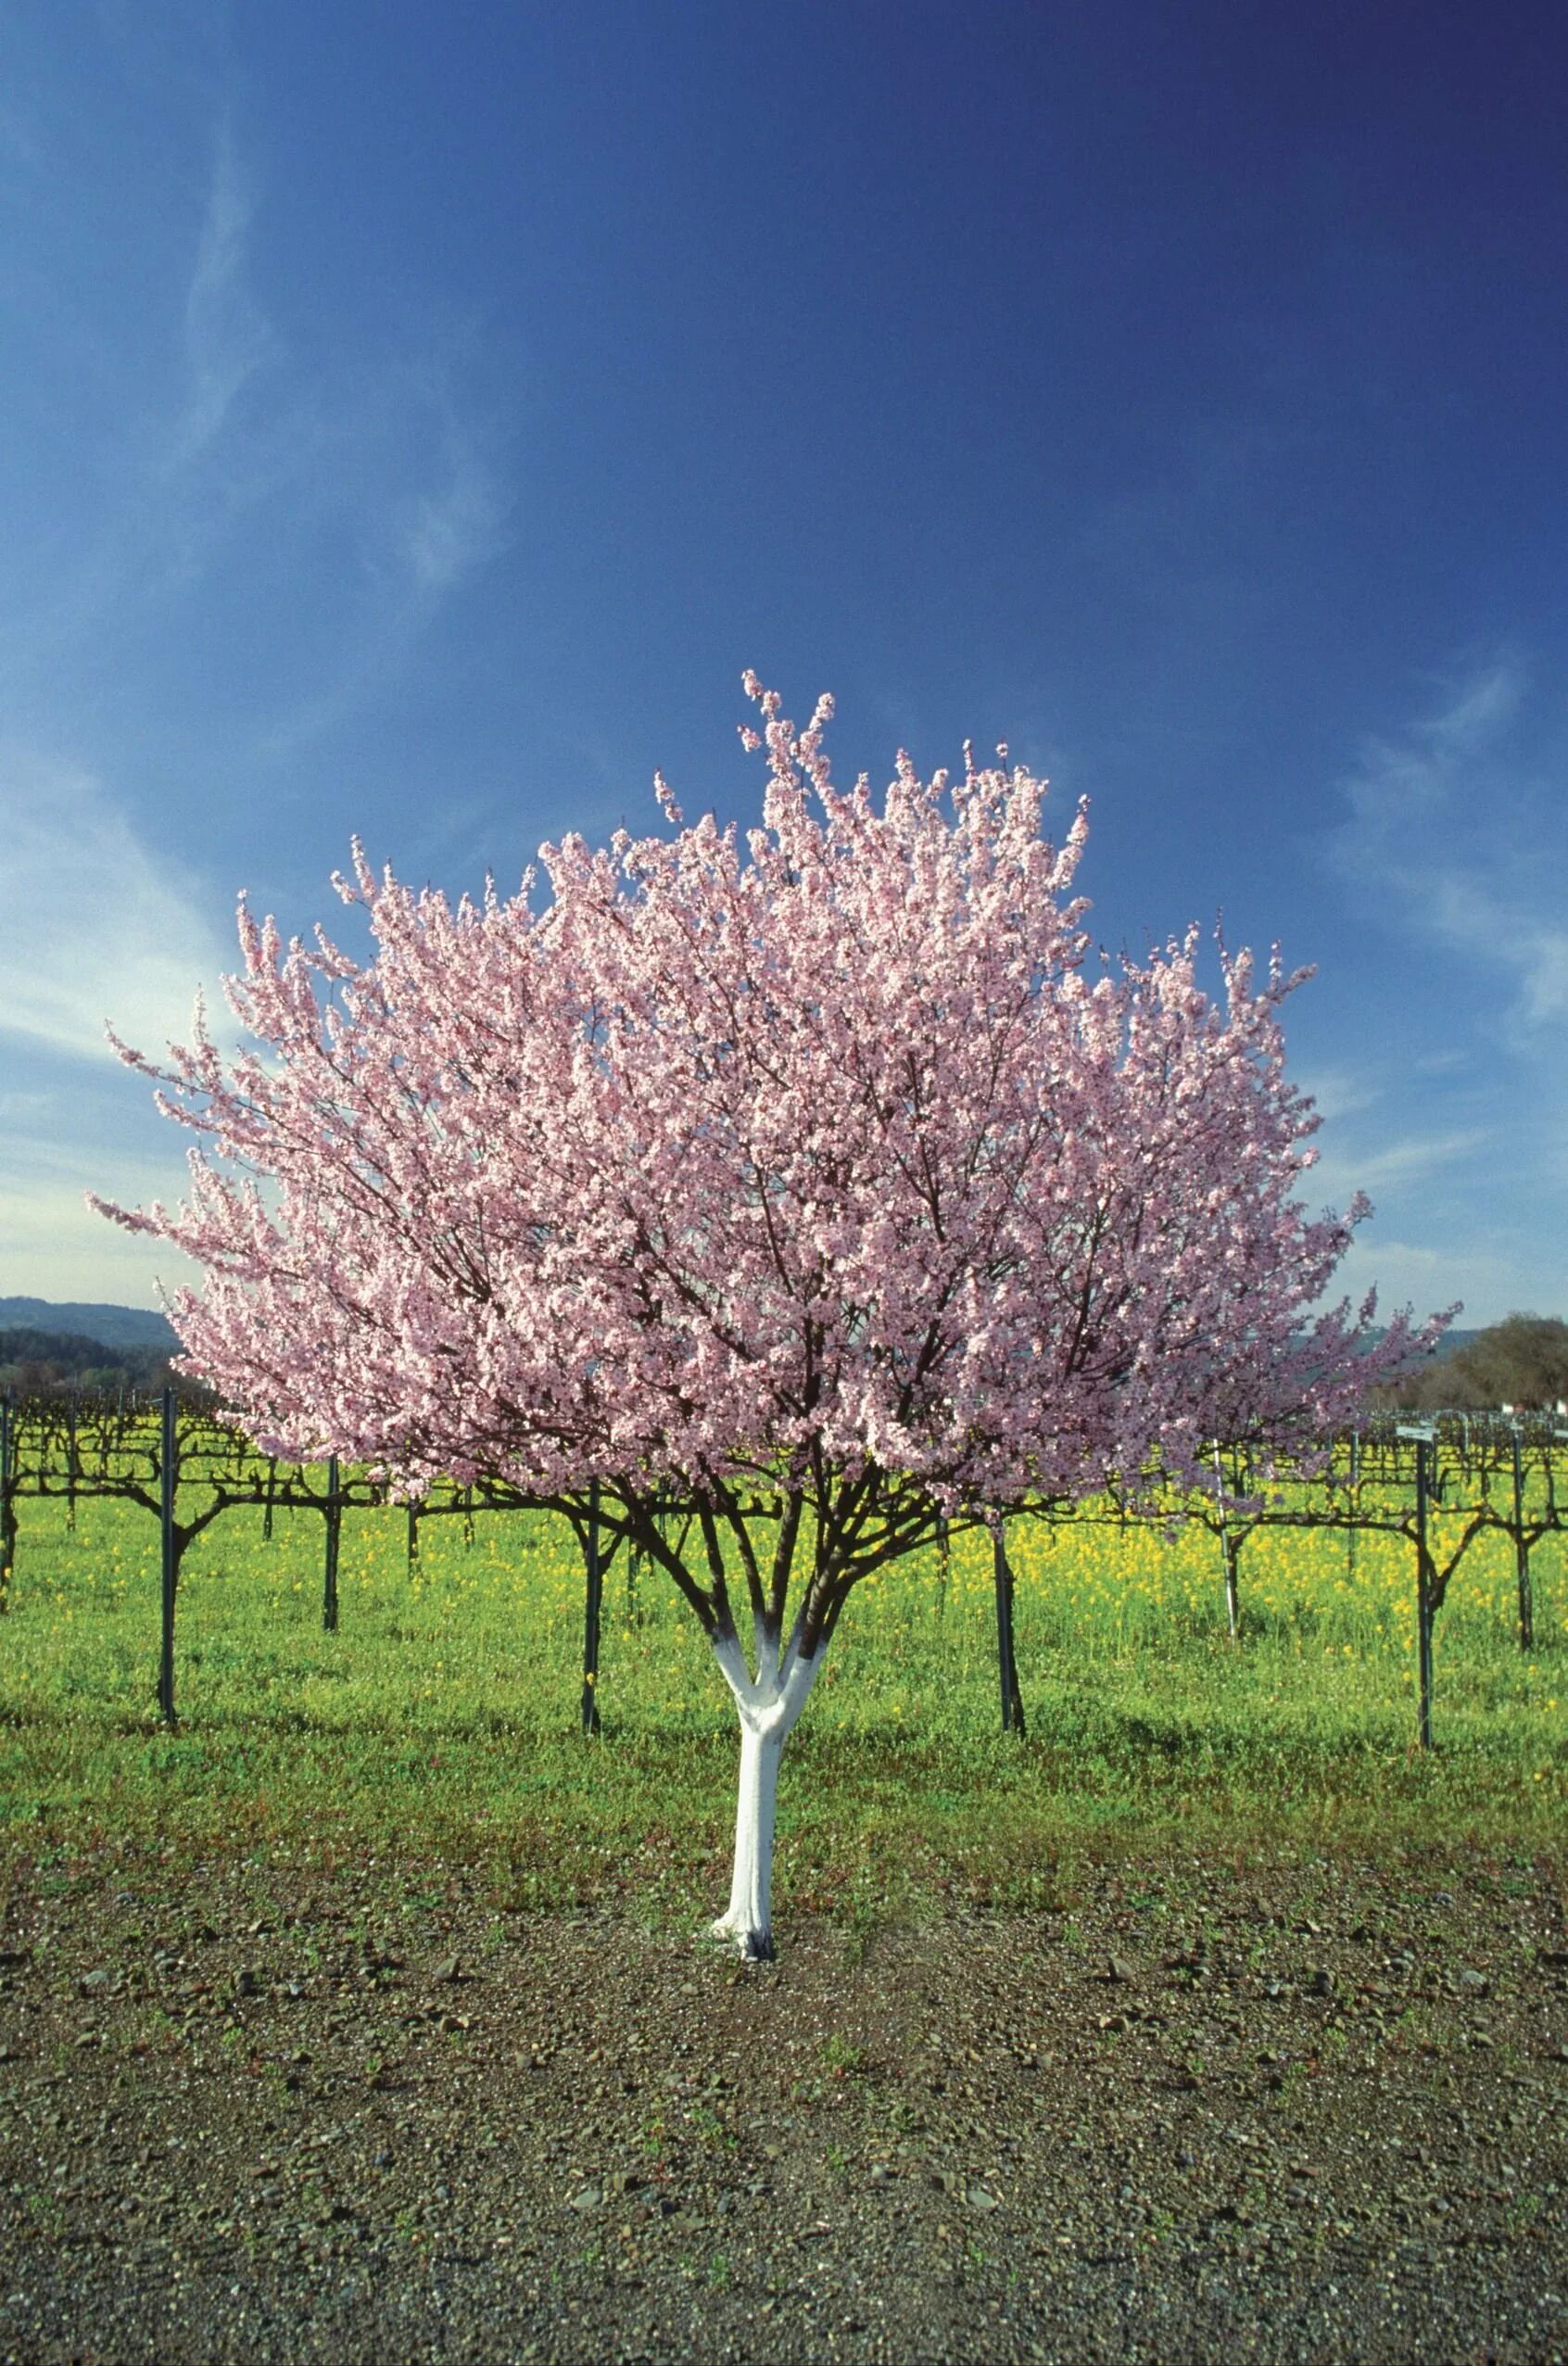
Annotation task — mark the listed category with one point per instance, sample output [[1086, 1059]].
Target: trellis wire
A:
[[213, 1455]]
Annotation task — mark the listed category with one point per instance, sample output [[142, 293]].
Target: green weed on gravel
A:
[[441, 1719]]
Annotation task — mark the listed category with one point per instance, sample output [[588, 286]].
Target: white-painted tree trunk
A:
[[770, 1703]]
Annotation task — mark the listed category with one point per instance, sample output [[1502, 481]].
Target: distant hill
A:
[[46, 1364], [112, 1326]]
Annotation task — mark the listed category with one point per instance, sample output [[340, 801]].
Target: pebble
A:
[[427, 2219]]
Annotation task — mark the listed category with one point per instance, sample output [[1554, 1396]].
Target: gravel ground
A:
[[1284, 2110]]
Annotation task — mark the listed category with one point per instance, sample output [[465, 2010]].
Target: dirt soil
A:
[[1292, 2111]]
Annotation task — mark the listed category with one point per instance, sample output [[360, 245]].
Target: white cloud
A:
[[91, 926], [1336, 1092], [1458, 833], [1419, 1156], [1488, 1282], [354, 490], [457, 526], [52, 1244], [227, 337]]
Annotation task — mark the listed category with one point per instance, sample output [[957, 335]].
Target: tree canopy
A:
[[818, 1177]]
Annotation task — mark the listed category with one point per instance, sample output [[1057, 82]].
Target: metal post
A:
[[413, 1535], [595, 1592], [271, 1491], [1012, 1699], [1227, 1550], [334, 1526], [167, 1480], [1521, 1552], [1355, 1507]]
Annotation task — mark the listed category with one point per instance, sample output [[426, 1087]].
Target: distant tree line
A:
[[49, 1363], [1521, 1361]]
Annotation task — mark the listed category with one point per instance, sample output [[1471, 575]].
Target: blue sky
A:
[[415, 418]]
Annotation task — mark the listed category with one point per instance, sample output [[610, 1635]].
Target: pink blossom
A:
[[818, 1166]]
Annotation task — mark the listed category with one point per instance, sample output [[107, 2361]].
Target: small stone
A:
[[1321, 1982], [1118, 1971], [247, 1984], [879, 2172], [978, 2199], [448, 1969], [1476, 1981], [589, 2198]]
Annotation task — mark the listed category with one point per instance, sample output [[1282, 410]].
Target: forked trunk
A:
[[770, 1703]]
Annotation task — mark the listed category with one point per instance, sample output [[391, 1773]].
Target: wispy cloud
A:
[[1357, 1155], [93, 926], [329, 497], [53, 1245], [1456, 843], [1458, 835], [459, 523], [228, 340], [1421, 1155], [1486, 1282]]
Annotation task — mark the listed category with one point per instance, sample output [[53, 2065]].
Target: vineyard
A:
[[1258, 1649]]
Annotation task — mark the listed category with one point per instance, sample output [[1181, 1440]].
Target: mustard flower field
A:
[[443, 1716]]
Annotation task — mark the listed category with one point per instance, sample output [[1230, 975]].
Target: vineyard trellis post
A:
[[168, 1475], [594, 1598], [334, 1534], [7, 1503], [72, 1467], [1007, 1657], [1521, 1550], [1425, 1444], [1228, 1552]]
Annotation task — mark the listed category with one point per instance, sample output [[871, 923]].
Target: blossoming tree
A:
[[813, 1178]]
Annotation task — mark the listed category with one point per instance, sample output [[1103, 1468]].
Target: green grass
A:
[[441, 1720]]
